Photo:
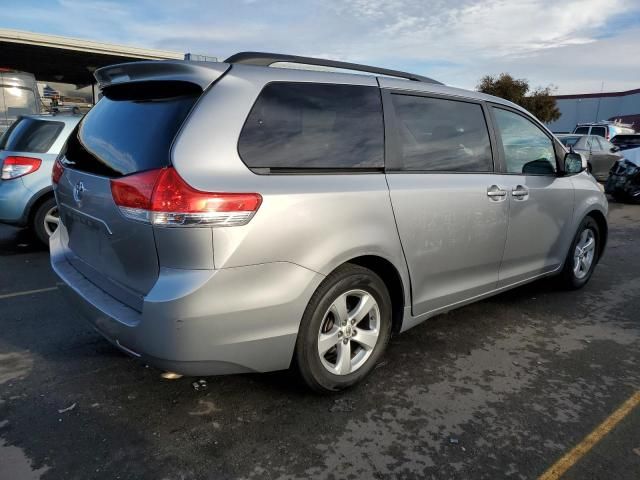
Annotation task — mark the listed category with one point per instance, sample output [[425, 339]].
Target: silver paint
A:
[[224, 300]]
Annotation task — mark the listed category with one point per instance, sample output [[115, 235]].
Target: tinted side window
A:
[[306, 125], [30, 135], [527, 149], [442, 135], [582, 131], [600, 131]]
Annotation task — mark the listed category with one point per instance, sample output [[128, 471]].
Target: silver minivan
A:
[[234, 217]]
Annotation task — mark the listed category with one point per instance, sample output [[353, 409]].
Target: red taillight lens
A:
[[135, 191], [162, 197], [14, 167], [57, 172], [172, 194]]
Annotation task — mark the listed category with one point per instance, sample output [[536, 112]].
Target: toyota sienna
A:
[[232, 217]]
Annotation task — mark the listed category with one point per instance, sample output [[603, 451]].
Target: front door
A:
[[540, 201], [450, 210]]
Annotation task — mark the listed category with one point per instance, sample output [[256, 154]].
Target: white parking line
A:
[[27, 292]]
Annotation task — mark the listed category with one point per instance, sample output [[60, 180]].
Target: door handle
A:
[[496, 193], [520, 192]]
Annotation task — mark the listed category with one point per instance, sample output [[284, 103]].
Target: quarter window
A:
[[440, 135], [314, 126], [527, 149]]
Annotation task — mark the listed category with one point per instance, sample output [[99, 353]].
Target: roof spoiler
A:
[[266, 59], [199, 73]]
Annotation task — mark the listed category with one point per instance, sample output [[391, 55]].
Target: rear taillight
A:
[[14, 167], [162, 197], [57, 172]]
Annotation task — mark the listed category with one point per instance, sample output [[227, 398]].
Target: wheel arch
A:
[[603, 226], [38, 199], [392, 279]]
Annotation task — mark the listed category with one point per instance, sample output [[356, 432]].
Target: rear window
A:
[[626, 140], [582, 131], [131, 128], [295, 126], [31, 135]]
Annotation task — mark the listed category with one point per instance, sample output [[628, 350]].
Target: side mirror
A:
[[574, 163], [615, 148]]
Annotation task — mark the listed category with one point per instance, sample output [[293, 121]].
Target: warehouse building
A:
[[592, 107]]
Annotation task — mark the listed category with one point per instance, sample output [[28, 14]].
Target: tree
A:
[[540, 101]]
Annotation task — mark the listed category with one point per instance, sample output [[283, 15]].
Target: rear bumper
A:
[[14, 201], [201, 322]]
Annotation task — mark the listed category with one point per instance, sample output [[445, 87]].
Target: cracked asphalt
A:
[[498, 389]]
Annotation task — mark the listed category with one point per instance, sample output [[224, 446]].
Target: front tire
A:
[[583, 255], [345, 329], [45, 220]]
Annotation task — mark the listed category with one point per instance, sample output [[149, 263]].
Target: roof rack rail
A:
[[266, 59]]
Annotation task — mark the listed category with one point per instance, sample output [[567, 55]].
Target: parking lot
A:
[[499, 389]]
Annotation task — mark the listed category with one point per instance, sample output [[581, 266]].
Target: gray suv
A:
[[234, 217]]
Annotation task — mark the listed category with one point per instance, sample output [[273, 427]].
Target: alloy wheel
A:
[[349, 332], [584, 253], [51, 220]]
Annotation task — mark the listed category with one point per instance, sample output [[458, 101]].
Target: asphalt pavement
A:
[[503, 388]]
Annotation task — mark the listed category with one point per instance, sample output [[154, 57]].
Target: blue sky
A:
[[573, 44]]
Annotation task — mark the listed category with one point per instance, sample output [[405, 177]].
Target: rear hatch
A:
[[130, 130]]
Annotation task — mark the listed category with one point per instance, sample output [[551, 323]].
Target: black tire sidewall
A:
[[348, 277], [38, 220], [570, 279]]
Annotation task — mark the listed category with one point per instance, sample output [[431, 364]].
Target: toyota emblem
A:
[[78, 190]]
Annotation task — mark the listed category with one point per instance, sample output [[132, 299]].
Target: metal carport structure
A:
[[52, 58]]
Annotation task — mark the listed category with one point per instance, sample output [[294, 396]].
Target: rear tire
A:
[[45, 220], [345, 329], [583, 255]]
